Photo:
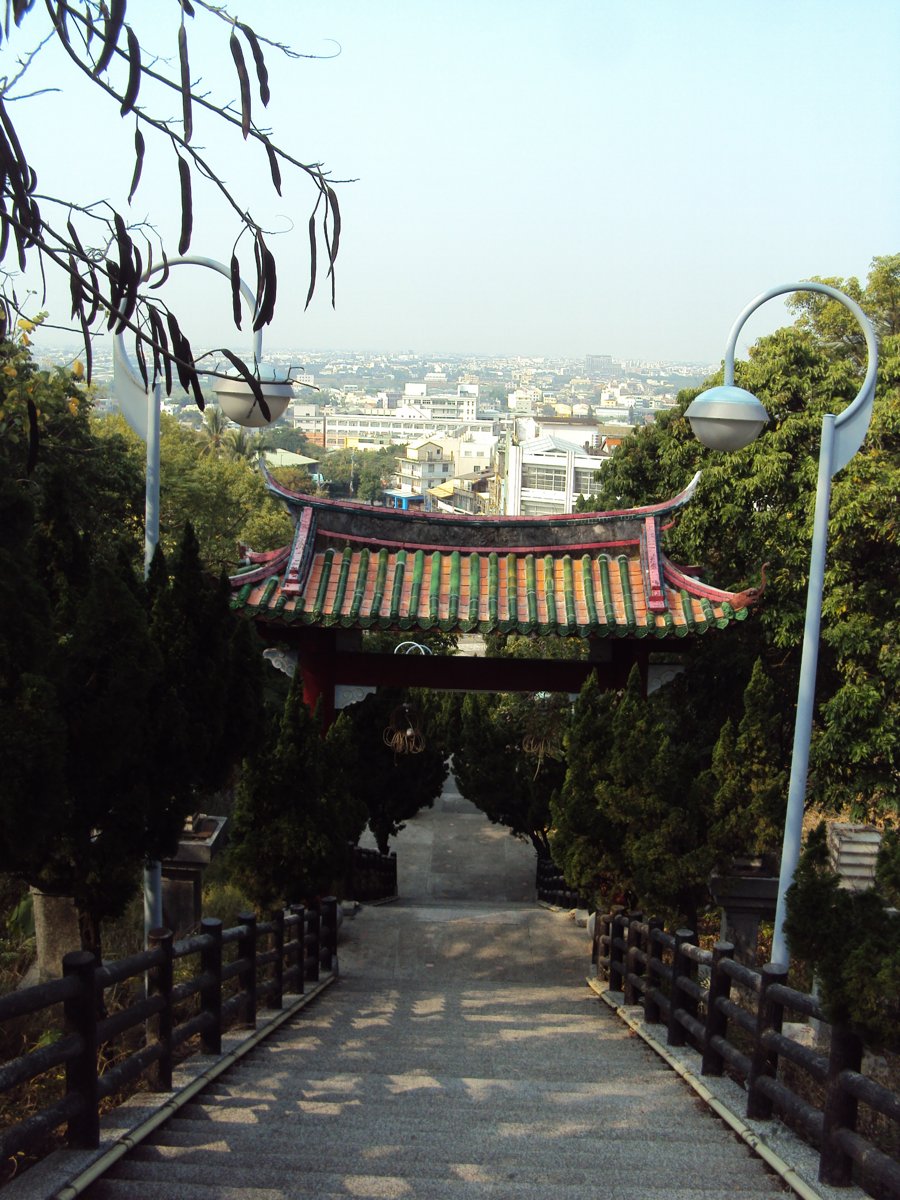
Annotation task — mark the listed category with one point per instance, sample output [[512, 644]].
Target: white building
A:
[[545, 475], [335, 430]]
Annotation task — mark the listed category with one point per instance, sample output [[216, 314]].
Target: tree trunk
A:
[[56, 932]]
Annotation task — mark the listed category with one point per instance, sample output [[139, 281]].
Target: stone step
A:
[[429, 1152], [123, 1189], [640, 1088], [458, 1181]]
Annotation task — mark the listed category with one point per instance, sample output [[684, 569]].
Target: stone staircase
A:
[[459, 1055]]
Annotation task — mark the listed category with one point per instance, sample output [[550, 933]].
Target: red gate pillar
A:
[[316, 657]]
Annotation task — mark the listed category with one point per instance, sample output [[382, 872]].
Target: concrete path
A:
[[460, 1055]]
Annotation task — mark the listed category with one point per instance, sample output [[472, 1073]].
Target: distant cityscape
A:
[[514, 435]]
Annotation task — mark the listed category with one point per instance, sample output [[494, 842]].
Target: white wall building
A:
[[334, 430], [546, 475]]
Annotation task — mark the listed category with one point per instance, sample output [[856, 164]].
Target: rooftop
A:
[[589, 575]]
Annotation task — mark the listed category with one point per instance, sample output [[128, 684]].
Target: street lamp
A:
[[141, 407], [728, 418]]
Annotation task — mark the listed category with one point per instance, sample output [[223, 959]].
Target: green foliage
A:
[[393, 786], [293, 820], [851, 940], [515, 645], [224, 496], [756, 506], [636, 819], [360, 474], [748, 766], [508, 758], [378, 641], [120, 703], [583, 842]]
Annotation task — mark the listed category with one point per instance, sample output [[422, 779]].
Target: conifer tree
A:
[[748, 765], [393, 785], [579, 827], [290, 827], [494, 768]]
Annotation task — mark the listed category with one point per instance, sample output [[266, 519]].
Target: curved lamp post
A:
[[728, 418], [141, 407]]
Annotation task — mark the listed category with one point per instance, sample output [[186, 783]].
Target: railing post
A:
[[312, 945], [276, 992], [764, 1061], [83, 1130], [160, 980], [632, 963], [299, 911], [247, 977], [616, 954], [836, 1167], [654, 954], [681, 967], [328, 908], [211, 987], [716, 1020]]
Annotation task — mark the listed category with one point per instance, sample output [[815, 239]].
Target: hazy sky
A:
[[564, 177]]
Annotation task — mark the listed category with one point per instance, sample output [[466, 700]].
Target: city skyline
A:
[[532, 180]]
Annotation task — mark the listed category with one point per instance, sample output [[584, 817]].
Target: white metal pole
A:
[[153, 911], [806, 691]]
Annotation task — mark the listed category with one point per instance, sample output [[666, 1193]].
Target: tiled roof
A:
[[577, 574]]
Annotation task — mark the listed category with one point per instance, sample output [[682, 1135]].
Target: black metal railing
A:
[[733, 1016], [551, 886], [233, 971], [371, 875]]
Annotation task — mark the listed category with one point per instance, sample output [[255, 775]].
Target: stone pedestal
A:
[[746, 897], [182, 876]]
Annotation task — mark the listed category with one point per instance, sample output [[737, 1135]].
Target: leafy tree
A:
[[362, 474], [756, 505], [282, 437], [103, 253], [224, 497], [293, 817], [642, 815], [108, 672], [211, 685], [516, 645]]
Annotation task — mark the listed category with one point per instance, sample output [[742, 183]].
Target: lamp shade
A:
[[239, 404], [726, 417]]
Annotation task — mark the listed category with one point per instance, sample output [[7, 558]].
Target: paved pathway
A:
[[460, 1055]]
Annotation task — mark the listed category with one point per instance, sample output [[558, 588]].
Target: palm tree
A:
[[213, 431], [241, 445]]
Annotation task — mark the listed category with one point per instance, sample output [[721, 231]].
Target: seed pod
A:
[[187, 213], [244, 79], [134, 71], [138, 162], [185, 83], [110, 35]]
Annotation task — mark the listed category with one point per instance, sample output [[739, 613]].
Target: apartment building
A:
[[545, 474]]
